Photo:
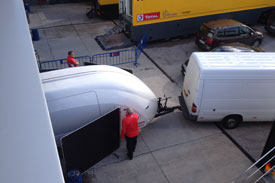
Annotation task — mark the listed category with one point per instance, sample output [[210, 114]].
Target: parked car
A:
[[219, 32], [230, 47], [270, 23]]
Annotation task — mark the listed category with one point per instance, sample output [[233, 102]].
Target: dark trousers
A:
[[131, 143]]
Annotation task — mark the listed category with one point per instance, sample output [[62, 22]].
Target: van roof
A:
[[97, 78], [244, 63], [78, 71]]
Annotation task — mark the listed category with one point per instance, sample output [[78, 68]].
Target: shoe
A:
[[130, 156]]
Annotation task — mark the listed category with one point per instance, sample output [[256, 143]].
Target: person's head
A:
[[129, 111], [71, 53]]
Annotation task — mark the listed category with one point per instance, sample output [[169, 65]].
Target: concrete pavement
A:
[[171, 149], [174, 150]]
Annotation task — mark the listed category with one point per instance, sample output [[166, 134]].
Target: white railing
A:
[[254, 175]]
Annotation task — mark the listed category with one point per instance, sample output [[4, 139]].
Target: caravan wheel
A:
[[231, 122]]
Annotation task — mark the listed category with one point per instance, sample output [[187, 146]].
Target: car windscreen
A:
[[206, 31]]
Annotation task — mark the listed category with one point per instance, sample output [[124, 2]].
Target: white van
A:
[[229, 87]]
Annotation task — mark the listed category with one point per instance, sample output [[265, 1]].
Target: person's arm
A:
[[123, 131], [76, 63]]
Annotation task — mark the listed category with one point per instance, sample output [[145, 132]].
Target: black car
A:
[[231, 47], [219, 32], [270, 23]]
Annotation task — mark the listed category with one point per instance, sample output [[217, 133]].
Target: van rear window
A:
[[206, 31]]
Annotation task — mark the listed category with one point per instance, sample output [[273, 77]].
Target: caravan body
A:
[[230, 87], [77, 96]]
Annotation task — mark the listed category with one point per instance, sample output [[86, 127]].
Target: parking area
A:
[[171, 149]]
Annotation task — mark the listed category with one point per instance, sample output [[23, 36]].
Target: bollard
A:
[[35, 35], [74, 176]]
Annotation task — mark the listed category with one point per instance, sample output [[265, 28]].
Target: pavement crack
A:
[[51, 51], [236, 143], [152, 151], [178, 144], [159, 67], [70, 24], [81, 39], [162, 171]]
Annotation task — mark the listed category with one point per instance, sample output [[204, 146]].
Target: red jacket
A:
[[71, 62], [130, 126]]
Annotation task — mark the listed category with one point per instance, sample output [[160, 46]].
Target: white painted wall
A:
[[27, 147]]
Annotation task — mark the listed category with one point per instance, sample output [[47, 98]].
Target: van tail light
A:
[[198, 35], [209, 41], [194, 108]]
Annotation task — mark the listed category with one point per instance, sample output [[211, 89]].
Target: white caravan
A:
[[229, 87], [76, 96]]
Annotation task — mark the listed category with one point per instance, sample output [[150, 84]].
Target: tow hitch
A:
[[162, 107]]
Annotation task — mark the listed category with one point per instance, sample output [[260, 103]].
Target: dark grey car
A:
[[219, 32]]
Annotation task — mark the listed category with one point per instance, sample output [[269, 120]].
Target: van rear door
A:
[[190, 85]]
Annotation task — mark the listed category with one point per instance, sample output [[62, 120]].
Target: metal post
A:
[[136, 57]]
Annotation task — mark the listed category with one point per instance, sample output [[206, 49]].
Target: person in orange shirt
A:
[[130, 131], [71, 61]]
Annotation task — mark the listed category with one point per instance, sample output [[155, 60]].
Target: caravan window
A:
[[82, 107]]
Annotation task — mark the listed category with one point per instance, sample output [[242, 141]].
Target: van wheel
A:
[[256, 43], [231, 122]]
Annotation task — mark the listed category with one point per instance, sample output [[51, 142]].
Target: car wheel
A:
[[256, 43], [231, 122]]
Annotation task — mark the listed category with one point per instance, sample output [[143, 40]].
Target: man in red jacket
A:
[[71, 61], [130, 130]]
